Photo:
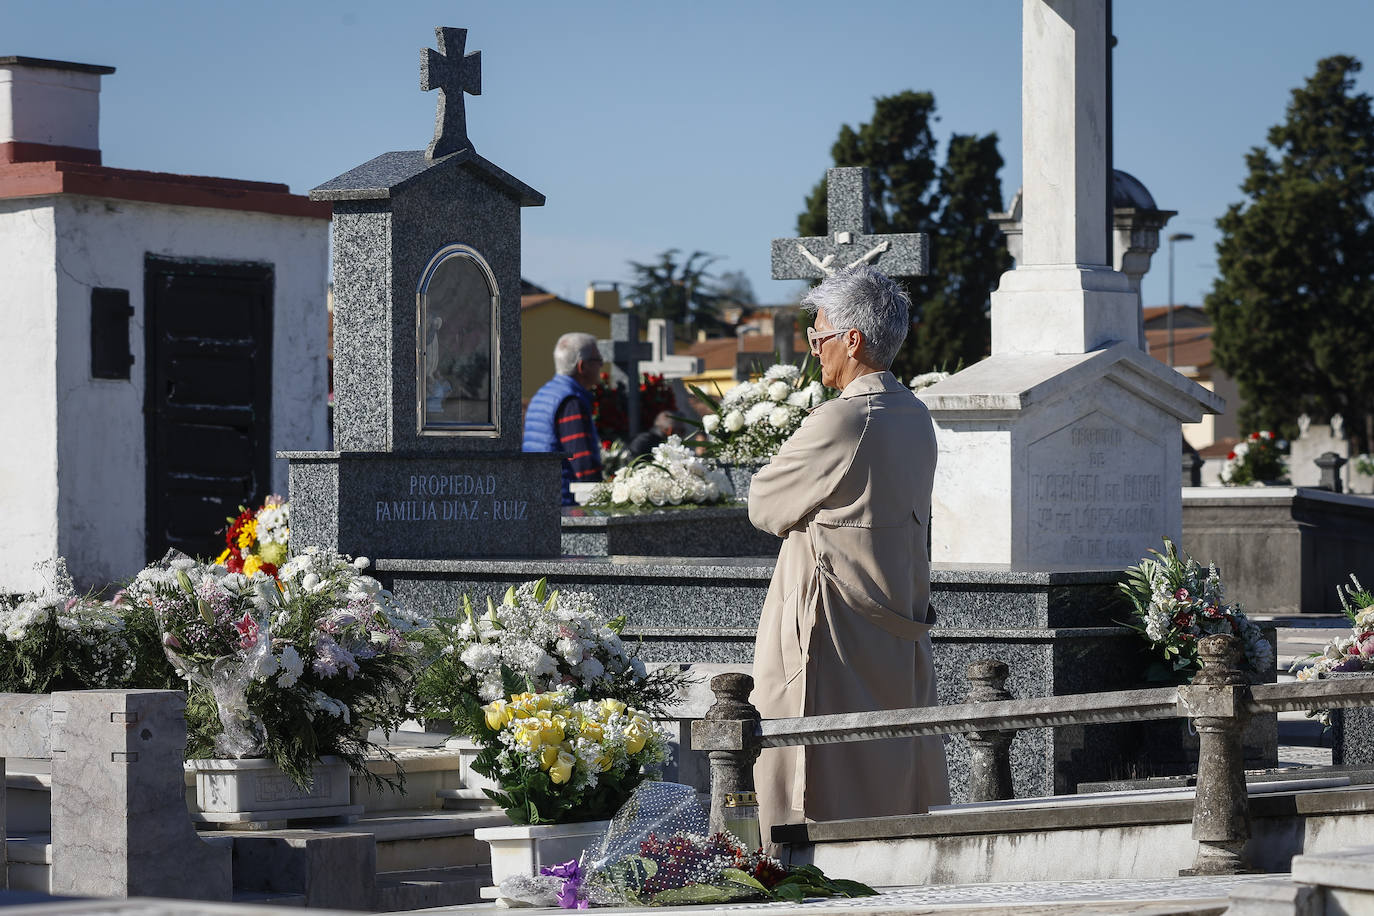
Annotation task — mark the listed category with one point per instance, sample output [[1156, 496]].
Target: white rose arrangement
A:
[[753, 419], [672, 475]]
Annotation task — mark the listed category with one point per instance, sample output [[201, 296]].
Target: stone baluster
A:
[[1217, 701], [989, 751], [1330, 464], [729, 733]]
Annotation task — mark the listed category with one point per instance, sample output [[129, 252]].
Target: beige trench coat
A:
[[846, 624]]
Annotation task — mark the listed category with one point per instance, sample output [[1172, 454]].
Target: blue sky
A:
[[651, 125]]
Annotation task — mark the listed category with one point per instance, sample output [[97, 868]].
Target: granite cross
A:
[[453, 73], [851, 241], [624, 351]]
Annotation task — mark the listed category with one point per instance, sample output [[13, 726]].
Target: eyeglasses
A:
[[816, 338]]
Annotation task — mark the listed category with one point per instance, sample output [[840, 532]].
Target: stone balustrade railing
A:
[[1219, 701], [119, 821]]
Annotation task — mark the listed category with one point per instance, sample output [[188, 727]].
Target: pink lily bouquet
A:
[[291, 668]]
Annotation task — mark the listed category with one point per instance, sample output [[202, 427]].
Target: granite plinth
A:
[[1056, 631], [423, 506], [710, 531]]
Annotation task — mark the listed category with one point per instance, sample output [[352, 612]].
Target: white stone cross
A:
[[851, 241], [453, 73]]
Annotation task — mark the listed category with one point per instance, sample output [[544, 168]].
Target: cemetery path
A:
[[1121, 897]]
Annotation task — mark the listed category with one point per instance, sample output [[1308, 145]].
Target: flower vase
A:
[[523, 850], [255, 791], [740, 476]]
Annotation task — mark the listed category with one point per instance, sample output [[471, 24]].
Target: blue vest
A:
[[541, 415]]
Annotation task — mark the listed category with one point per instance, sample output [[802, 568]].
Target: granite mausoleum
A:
[[427, 421]]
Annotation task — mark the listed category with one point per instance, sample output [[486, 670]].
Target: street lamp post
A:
[[1169, 314]]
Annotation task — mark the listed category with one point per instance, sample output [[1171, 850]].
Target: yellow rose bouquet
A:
[[558, 760]]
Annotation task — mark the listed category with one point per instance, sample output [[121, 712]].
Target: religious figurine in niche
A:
[[436, 386], [458, 359]]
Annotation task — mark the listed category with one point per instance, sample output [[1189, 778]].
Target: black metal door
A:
[[208, 329]]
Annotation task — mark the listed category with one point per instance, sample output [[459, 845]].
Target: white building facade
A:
[[164, 336]]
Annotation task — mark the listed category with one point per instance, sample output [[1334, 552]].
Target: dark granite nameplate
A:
[[427, 508]]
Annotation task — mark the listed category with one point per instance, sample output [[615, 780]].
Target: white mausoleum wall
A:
[[101, 461], [28, 415]]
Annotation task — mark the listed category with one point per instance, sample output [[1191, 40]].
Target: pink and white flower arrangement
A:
[[290, 668], [1353, 651], [1176, 602]]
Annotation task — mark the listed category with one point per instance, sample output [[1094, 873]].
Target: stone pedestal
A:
[[1059, 461], [256, 792]]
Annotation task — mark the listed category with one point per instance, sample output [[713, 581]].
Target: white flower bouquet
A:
[[534, 641], [1177, 602], [290, 668], [753, 419], [671, 475], [56, 639]]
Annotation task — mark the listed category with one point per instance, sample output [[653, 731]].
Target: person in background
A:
[[664, 426], [846, 624], [559, 418]]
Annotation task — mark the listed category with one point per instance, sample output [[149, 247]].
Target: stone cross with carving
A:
[[453, 73], [851, 241]]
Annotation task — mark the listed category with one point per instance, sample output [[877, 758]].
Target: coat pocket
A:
[[798, 620]]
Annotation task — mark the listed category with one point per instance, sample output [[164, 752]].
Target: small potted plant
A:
[[563, 767]]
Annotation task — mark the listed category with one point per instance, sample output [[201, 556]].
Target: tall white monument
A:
[[1062, 450]]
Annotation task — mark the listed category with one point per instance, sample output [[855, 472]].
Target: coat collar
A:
[[873, 383]]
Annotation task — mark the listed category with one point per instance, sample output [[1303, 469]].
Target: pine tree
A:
[[684, 293], [968, 256], [1293, 307], [910, 192]]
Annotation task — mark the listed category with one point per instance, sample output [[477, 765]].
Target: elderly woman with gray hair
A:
[[846, 625]]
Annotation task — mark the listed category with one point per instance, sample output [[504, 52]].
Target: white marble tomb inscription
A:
[[1094, 495]]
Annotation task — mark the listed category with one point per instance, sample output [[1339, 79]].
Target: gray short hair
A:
[[865, 298], [570, 348]]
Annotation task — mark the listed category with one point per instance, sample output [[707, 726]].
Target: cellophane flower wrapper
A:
[[658, 850]]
